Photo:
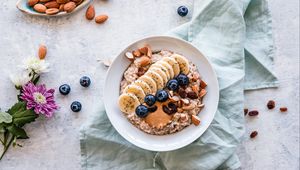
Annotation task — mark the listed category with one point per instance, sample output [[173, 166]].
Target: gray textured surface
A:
[[75, 44]]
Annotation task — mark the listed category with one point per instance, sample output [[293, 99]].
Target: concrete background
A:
[[74, 45]]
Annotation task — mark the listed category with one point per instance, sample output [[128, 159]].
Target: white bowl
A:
[[165, 142]]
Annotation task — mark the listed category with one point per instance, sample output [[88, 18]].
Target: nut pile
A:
[[52, 7]]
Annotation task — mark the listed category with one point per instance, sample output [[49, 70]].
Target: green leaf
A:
[[17, 131], [21, 115], [5, 117]]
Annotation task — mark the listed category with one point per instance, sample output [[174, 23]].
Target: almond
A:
[[202, 84], [39, 8], [144, 50], [129, 55], [78, 2], [52, 11], [61, 7], [136, 53], [144, 61], [62, 1], [195, 120], [43, 50], [195, 88], [32, 2], [43, 1], [101, 19], [52, 4], [69, 7], [149, 51], [202, 93], [90, 12]]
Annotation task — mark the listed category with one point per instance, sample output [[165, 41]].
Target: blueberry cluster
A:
[[162, 96], [65, 89]]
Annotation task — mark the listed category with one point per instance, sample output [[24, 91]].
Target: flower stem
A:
[[6, 147]]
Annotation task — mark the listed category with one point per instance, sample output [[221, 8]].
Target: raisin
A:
[[192, 95], [167, 110], [253, 134], [172, 107], [253, 113], [283, 109], [271, 104], [152, 109], [245, 112], [182, 93]]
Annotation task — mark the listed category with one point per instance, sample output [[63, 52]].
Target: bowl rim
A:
[[183, 144]]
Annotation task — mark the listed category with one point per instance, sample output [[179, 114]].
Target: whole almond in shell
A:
[[69, 7], [42, 51], [90, 12], [32, 2], [101, 19], [39, 8], [62, 1], [52, 11], [52, 4]]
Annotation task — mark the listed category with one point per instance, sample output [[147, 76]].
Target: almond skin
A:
[[43, 49], [43, 1], [32, 2], [90, 12], [69, 7], [101, 19], [39, 8], [61, 7], [62, 1], [52, 4]]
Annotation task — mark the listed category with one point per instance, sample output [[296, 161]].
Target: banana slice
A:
[[162, 74], [173, 63], [128, 102], [150, 82], [162, 68], [146, 88], [136, 90], [183, 63], [157, 78], [168, 67]]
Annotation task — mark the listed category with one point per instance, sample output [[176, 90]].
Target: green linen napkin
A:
[[236, 37]]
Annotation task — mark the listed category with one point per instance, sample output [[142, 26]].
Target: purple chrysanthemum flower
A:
[[39, 99]]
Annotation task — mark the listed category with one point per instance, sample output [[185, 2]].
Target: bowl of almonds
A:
[[51, 7]]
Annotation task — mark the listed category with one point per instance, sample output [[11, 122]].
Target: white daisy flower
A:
[[36, 65], [20, 78]]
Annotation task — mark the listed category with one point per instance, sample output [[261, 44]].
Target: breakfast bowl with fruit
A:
[[161, 93]]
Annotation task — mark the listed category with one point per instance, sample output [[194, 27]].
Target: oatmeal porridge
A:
[[161, 92]]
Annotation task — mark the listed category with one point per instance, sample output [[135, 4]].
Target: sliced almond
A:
[[174, 98], [189, 107], [202, 84], [195, 120], [195, 88], [185, 101], [202, 93], [129, 55]]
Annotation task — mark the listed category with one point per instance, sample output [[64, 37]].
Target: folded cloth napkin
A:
[[236, 37]]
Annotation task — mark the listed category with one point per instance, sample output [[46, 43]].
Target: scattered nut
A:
[[142, 61], [137, 53], [202, 93], [189, 107], [144, 50], [175, 98], [245, 111], [253, 113], [283, 109], [195, 120], [90, 12], [253, 134], [271, 104], [195, 88], [101, 19], [203, 84], [60, 1], [149, 51], [42, 51], [129, 55], [183, 117]]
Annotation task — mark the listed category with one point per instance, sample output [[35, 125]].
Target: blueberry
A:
[[64, 89], [76, 106], [182, 79], [172, 85], [150, 99], [162, 95], [182, 11], [141, 111], [85, 81]]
